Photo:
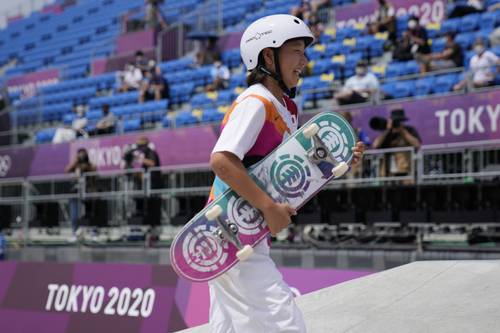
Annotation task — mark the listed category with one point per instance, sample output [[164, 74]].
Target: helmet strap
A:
[[277, 76]]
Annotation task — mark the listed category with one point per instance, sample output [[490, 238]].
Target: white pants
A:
[[253, 298]]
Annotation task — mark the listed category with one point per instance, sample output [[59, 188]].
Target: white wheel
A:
[[310, 131], [213, 212], [340, 169], [244, 253]]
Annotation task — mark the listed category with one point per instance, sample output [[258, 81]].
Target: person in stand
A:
[[252, 296]]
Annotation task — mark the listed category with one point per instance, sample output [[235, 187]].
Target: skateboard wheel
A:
[[244, 253], [340, 169], [213, 212], [310, 131]]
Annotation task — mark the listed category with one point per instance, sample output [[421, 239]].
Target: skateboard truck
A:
[[228, 232], [319, 152]]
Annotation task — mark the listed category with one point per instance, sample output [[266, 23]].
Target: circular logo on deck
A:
[[249, 219], [335, 139], [202, 251], [289, 175]]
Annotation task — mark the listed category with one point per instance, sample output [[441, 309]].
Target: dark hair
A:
[[256, 76], [139, 53], [362, 63]]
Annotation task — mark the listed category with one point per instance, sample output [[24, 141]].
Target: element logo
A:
[[5, 164], [335, 139], [290, 175], [202, 251], [249, 220]]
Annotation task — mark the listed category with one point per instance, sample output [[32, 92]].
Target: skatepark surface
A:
[[424, 296]]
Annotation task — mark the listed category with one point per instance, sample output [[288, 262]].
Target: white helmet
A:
[[271, 31]]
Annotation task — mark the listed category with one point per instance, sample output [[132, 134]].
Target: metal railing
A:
[[123, 189]]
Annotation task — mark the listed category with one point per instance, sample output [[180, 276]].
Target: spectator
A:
[[106, 125], [220, 76], [154, 17], [64, 134], [397, 135], [308, 10], [418, 37], [130, 78], [79, 166], [481, 67], [154, 86], [385, 20], [360, 87], [80, 122], [403, 48], [209, 54], [495, 37], [469, 7], [143, 155], [141, 62], [317, 29], [450, 57]]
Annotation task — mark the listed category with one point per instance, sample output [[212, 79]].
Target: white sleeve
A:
[[493, 58], [243, 128]]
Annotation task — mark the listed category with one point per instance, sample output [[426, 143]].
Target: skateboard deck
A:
[[225, 231]]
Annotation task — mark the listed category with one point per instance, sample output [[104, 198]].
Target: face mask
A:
[[478, 49], [360, 71], [412, 24]]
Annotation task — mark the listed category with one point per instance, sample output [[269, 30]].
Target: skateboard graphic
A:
[[226, 230]]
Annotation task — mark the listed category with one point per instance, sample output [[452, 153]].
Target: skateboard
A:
[[226, 230]]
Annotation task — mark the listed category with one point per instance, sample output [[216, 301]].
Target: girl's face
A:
[[292, 61]]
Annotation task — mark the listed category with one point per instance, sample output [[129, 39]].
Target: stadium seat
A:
[[423, 86], [469, 23], [388, 89], [130, 125], [450, 25], [445, 83], [403, 89], [185, 118]]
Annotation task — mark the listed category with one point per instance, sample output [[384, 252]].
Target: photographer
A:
[[143, 155], [79, 166], [395, 135]]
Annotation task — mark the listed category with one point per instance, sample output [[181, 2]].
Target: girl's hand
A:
[[277, 216], [358, 151]]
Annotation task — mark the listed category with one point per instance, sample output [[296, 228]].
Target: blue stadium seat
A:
[[423, 86], [210, 115], [185, 118], [388, 89], [130, 125], [465, 40], [403, 89], [438, 45], [411, 67], [489, 20], [445, 83], [469, 23], [237, 80], [450, 25], [395, 69]]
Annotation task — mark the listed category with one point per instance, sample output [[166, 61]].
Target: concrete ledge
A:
[[425, 296]]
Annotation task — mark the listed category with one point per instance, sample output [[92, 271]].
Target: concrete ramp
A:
[[426, 296]]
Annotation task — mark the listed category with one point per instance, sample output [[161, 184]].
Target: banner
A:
[[29, 83], [427, 10], [73, 298], [439, 120], [451, 119]]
